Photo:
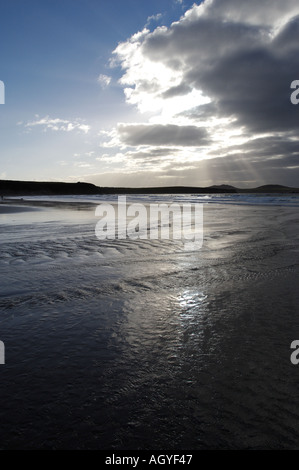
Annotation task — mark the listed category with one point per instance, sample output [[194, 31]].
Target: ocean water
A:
[[142, 344]]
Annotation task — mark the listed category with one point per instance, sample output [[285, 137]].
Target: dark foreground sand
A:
[[135, 344]]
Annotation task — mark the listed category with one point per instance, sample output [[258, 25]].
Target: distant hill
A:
[[31, 188], [225, 187], [40, 188], [277, 188]]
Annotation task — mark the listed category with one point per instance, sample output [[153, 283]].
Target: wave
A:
[[281, 199]]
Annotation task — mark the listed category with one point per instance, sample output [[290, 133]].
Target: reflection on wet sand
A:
[[140, 344]]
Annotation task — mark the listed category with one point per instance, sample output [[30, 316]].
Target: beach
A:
[[142, 344]]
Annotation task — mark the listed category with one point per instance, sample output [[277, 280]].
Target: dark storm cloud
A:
[[242, 56], [158, 134], [152, 154], [201, 112], [178, 90], [191, 41], [254, 87], [258, 12], [245, 68], [271, 146]]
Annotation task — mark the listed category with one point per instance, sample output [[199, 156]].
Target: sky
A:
[[140, 93]]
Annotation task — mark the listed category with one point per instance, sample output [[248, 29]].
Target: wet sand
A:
[[140, 344], [12, 209]]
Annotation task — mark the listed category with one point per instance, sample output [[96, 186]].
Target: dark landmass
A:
[[34, 188]]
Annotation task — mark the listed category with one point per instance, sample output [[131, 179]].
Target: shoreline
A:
[[26, 203], [13, 188]]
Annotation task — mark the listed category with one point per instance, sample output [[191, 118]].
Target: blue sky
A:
[[135, 92]]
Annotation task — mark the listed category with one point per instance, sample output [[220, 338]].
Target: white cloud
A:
[[83, 165], [153, 18], [104, 80], [57, 124]]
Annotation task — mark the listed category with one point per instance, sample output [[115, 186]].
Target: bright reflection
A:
[[190, 302]]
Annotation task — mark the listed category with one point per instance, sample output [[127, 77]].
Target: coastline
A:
[[31, 188]]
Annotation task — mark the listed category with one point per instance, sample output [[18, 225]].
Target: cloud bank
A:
[[216, 85]]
